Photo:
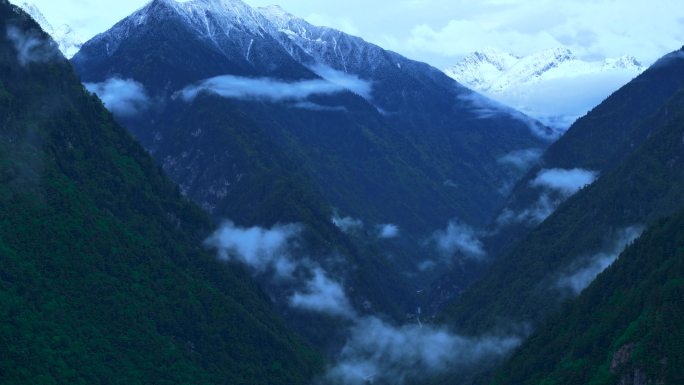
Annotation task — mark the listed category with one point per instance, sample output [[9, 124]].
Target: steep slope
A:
[[562, 255], [625, 328], [530, 83], [102, 276], [261, 127], [68, 40]]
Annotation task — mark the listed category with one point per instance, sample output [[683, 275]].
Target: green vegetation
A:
[[103, 279], [626, 328]]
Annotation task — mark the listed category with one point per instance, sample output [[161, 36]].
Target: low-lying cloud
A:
[[276, 90], [263, 250], [378, 352], [323, 295], [521, 160], [123, 97], [585, 271], [32, 47], [567, 182], [485, 108], [347, 224], [387, 231], [459, 238]]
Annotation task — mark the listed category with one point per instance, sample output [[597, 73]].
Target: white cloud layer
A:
[[567, 182], [347, 224], [388, 231], [123, 97]]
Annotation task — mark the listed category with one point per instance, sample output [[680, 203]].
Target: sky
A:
[[441, 32]]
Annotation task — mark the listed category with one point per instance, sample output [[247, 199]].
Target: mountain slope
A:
[[523, 285], [344, 127], [103, 280], [530, 83], [625, 328]]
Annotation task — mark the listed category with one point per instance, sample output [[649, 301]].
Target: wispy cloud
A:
[[585, 270], [261, 249], [388, 231], [378, 352], [521, 160], [31, 47], [323, 295], [275, 90], [459, 238], [347, 224], [567, 182], [123, 97]]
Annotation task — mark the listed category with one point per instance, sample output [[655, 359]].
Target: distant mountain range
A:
[[68, 40], [532, 83]]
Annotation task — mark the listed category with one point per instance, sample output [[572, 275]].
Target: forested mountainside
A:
[[626, 328], [103, 277]]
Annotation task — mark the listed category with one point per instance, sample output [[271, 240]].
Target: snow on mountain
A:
[[554, 86], [68, 40]]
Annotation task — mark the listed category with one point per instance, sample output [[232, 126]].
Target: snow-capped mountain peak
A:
[[67, 39], [525, 82]]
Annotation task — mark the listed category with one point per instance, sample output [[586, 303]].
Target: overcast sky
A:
[[441, 31]]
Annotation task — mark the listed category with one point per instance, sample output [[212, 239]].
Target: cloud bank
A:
[[586, 271], [123, 97], [32, 47], [347, 224], [275, 90]]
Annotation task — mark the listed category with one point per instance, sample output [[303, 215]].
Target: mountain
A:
[[530, 83], [103, 276], [68, 40], [625, 328], [557, 259], [264, 119]]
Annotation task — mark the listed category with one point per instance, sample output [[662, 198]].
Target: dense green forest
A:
[[626, 328], [103, 279]]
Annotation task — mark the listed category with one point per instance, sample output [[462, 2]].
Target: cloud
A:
[[485, 108], [274, 90], [123, 97], [261, 249], [318, 107], [587, 269], [350, 82], [535, 214], [384, 353], [521, 160], [459, 238], [32, 47], [567, 182], [388, 231], [347, 224], [323, 295]]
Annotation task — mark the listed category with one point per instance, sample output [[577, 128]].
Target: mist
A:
[[379, 352], [123, 97], [521, 160], [32, 47], [585, 270], [567, 182], [350, 82], [323, 295], [459, 238], [387, 231], [263, 250], [347, 224]]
